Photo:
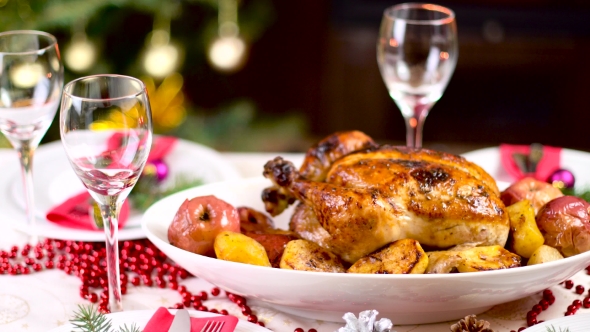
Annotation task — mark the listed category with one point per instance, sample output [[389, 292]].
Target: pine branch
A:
[[552, 329], [88, 319]]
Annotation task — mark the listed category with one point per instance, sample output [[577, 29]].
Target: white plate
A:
[[575, 323], [142, 317], [55, 181], [577, 162], [405, 299]]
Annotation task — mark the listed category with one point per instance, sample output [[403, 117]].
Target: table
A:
[[44, 300]]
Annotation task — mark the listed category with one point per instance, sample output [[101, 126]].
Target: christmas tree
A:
[[176, 47]]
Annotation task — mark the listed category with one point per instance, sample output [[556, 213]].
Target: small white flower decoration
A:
[[366, 322]]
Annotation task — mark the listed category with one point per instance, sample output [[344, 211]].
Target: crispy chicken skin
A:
[[379, 194], [317, 163]]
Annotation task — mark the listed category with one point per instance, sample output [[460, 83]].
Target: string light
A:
[[227, 52], [26, 75], [161, 56], [80, 54]]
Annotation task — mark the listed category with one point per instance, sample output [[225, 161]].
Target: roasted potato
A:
[[274, 244], [544, 254], [237, 247], [305, 255], [487, 258], [400, 257], [472, 260], [524, 234]]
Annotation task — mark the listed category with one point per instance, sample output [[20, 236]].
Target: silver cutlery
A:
[[527, 163], [181, 322]]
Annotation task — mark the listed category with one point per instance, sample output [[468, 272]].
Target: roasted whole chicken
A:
[[354, 196]]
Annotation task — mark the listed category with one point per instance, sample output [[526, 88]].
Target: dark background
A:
[[522, 75]]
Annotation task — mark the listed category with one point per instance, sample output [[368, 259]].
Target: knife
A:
[[181, 322]]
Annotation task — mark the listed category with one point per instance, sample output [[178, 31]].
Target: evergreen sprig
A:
[[583, 193], [88, 319], [552, 329], [148, 190]]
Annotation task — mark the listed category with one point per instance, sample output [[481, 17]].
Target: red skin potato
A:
[[198, 221], [565, 224]]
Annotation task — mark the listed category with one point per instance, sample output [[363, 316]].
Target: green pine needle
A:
[[583, 193], [147, 190], [88, 319], [552, 329]]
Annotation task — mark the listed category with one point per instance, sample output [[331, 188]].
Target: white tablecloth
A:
[[45, 300]]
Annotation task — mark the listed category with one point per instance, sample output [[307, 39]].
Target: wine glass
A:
[[106, 129], [31, 80], [417, 51]]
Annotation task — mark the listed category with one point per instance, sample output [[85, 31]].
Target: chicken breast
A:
[[380, 194]]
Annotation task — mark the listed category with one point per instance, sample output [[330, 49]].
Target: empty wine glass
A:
[[31, 80], [417, 51], [106, 129]]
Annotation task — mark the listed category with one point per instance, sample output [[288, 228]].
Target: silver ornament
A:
[[366, 322]]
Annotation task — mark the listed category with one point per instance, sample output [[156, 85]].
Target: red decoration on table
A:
[[74, 213], [550, 162], [142, 263], [162, 319]]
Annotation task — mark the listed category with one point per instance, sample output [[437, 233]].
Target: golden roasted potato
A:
[[487, 258], [274, 244], [526, 236], [237, 247], [305, 255], [473, 259], [544, 254], [400, 257]]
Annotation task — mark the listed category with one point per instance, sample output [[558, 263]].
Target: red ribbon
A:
[[162, 319], [74, 212], [549, 163]]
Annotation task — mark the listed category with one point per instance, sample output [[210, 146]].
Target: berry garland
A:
[[142, 263], [548, 299]]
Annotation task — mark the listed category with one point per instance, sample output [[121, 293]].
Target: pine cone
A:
[[471, 324]]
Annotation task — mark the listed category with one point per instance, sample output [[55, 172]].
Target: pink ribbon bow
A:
[[162, 319], [549, 163]]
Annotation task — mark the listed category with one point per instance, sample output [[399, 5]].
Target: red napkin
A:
[[162, 319], [73, 213], [550, 162]]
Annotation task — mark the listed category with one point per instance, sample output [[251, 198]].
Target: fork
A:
[[212, 326]]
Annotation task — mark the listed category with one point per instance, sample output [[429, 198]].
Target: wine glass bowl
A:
[[417, 52], [31, 81], [106, 130]]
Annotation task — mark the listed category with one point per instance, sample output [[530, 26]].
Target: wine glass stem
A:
[[25, 152], [110, 216], [414, 132]]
